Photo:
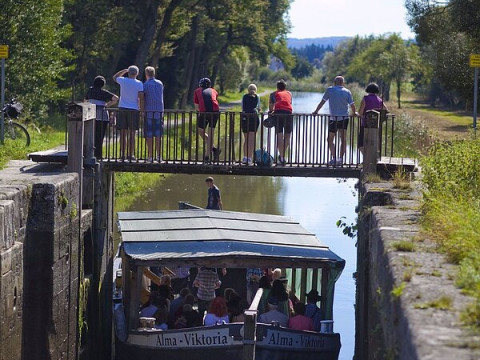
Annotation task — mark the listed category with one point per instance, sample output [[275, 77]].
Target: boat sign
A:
[[474, 60], [3, 51]]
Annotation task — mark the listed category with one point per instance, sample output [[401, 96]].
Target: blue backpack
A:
[[263, 158]]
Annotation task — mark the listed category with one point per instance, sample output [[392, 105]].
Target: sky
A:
[[323, 18]]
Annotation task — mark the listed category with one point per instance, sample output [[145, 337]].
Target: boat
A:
[[221, 239]]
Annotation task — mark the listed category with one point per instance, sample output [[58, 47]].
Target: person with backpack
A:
[[280, 107]]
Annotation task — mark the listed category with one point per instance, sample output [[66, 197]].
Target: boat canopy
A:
[[200, 237]]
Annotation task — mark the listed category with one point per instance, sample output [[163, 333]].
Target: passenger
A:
[[227, 293], [235, 306], [217, 312], [165, 288], [273, 314], [206, 103], [181, 279], [280, 106], [176, 304], [250, 122], [149, 309], [253, 277], [189, 318], [300, 321], [206, 282], [312, 299], [161, 315], [266, 285], [279, 292], [276, 274]]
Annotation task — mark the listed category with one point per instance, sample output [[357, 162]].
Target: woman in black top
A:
[[250, 122]]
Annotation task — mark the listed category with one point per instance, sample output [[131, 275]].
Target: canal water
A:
[[316, 203]]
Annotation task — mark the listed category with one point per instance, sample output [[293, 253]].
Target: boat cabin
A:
[[235, 241]]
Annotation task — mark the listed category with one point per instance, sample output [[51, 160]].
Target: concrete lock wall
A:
[[400, 277], [40, 261]]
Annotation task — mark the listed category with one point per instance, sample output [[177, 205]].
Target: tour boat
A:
[[221, 239]]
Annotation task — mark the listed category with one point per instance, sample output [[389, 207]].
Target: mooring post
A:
[[81, 127], [370, 142], [249, 334]]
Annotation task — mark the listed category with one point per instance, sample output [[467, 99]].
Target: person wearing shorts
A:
[[280, 107], [154, 107], [206, 103], [129, 106], [250, 122], [340, 99]]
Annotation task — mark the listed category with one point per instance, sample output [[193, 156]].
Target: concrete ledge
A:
[[397, 290]]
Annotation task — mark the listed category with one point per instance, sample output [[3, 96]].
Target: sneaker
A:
[[249, 161], [206, 160], [159, 159], [332, 162], [245, 160], [131, 158], [216, 154], [150, 160], [280, 161], [339, 162]]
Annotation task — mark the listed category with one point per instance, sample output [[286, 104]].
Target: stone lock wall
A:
[[40, 261]]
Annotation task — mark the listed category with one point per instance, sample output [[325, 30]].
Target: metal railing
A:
[[182, 141]]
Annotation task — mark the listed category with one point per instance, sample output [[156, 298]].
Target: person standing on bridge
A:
[[280, 106], [250, 122], [153, 89], [130, 107], [340, 98], [102, 99], [206, 103], [214, 201]]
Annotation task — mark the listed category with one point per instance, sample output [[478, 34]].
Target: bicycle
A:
[[13, 130]]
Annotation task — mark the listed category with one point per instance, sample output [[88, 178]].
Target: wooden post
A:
[[370, 142], [81, 126], [249, 334]]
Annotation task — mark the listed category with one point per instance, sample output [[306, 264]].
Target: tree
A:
[[302, 68]]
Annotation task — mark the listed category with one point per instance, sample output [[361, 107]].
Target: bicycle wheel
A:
[[17, 132]]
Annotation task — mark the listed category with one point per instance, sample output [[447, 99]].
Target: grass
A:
[[404, 245], [442, 303]]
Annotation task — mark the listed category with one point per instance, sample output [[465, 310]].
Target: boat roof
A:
[[201, 237]]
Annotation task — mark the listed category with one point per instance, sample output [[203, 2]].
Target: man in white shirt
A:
[[273, 315], [130, 108]]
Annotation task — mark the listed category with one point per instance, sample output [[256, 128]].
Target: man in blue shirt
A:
[[153, 92], [340, 99], [214, 201]]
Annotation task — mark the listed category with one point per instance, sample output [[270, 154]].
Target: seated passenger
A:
[[149, 309], [176, 304], [300, 321], [161, 315], [312, 299], [273, 315], [217, 312], [189, 318], [235, 306]]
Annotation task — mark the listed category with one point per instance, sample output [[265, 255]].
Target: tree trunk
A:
[[399, 85]]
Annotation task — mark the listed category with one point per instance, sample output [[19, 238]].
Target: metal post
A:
[[2, 104], [475, 100]]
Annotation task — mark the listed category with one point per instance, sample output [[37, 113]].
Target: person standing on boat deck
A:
[[250, 122], [181, 279], [214, 201], [253, 277], [153, 90], [273, 314], [340, 99], [280, 107], [206, 282], [206, 103], [102, 99], [130, 109]]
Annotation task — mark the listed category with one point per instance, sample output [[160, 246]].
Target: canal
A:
[[316, 203]]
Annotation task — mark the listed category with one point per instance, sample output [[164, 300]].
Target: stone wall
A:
[[40, 261], [400, 280]]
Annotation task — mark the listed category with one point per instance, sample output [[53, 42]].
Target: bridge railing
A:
[[182, 142]]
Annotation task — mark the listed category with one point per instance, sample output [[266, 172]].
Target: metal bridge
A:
[[183, 150]]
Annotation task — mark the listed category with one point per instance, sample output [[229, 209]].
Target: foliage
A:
[[404, 245], [446, 37], [349, 230], [37, 60], [452, 210]]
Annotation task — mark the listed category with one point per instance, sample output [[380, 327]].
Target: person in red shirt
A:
[[300, 321], [280, 106], [206, 103]]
